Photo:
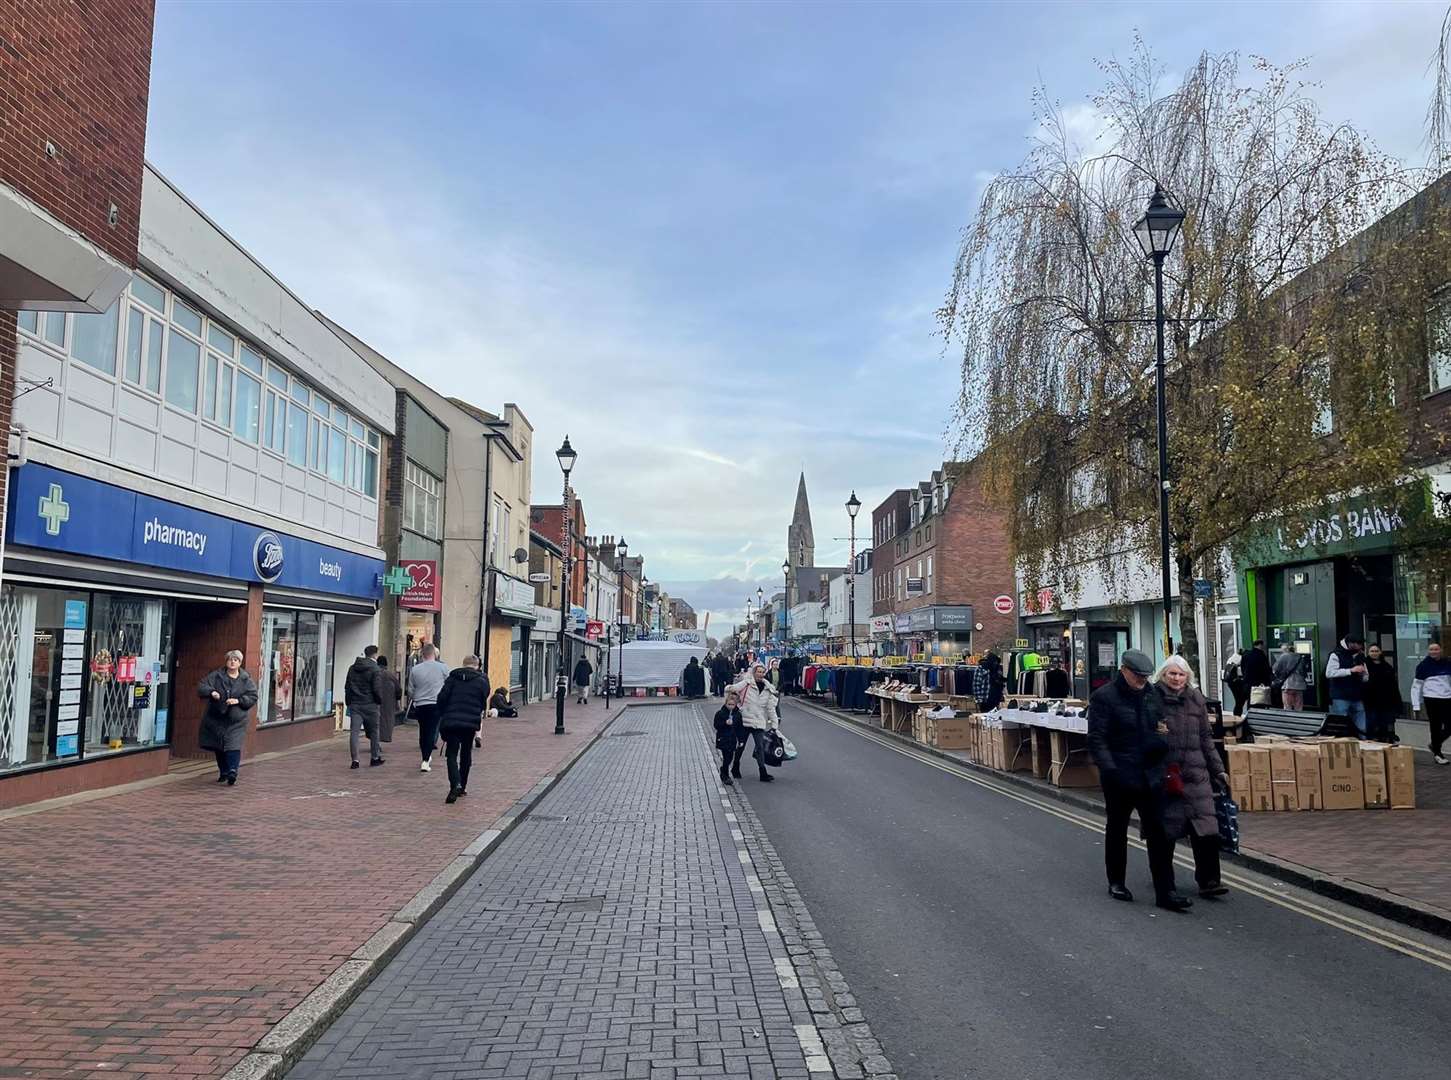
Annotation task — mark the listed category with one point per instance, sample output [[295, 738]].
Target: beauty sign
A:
[[423, 594]]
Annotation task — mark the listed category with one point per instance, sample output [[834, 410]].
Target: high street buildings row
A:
[[200, 461]]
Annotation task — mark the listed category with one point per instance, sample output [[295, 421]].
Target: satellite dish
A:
[[520, 555]]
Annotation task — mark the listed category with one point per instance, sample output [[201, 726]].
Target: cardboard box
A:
[[1239, 775], [1309, 794], [1042, 752], [954, 734], [1283, 793], [1261, 791], [1401, 777], [1072, 767], [1342, 781], [1373, 773]]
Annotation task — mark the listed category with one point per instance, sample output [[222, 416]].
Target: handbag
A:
[[1259, 695], [1226, 812], [775, 752], [1174, 780]]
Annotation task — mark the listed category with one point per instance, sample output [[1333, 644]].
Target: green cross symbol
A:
[[398, 580], [55, 510]]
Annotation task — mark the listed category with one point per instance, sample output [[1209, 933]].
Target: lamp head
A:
[[1159, 226], [566, 456], [853, 505]]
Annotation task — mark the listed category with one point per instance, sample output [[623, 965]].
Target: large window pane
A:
[[29, 320], [155, 338], [54, 328], [370, 474], [315, 441], [300, 393], [135, 325], [186, 318], [251, 360], [128, 702], [313, 672], [249, 405], [337, 456], [279, 655], [277, 377], [224, 397], [222, 341], [183, 360], [297, 435]]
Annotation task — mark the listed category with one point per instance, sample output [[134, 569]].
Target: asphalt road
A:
[[977, 935]]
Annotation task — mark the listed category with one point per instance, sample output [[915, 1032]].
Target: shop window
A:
[[149, 294], [183, 361], [421, 509], [313, 672], [130, 663], [279, 654], [296, 677], [93, 339]]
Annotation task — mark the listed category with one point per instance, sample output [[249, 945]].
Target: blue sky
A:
[[704, 240]]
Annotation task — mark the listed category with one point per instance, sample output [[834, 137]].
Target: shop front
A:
[[939, 630], [116, 603], [509, 626], [1367, 566], [541, 655]]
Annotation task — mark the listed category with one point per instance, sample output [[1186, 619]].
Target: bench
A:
[[1263, 720]]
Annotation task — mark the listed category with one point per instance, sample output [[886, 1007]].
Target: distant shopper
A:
[[724, 672], [730, 732], [1346, 676], [230, 695], [461, 703], [1254, 667], [692, 679], [1431, 694], [1289, 675], [1126, 739], [1233, 679], [500, 705], [392, 701], [365, 691], [425, 680], [583, 674], [759, 705], [1382, 696], [1192, 770]]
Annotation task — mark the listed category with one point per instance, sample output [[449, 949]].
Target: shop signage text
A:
[[422, 593], [881, 624], [1352, 524], [1003, 605], [61, 511], [513, 597]]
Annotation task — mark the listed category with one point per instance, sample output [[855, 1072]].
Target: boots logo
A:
[[267, 557]]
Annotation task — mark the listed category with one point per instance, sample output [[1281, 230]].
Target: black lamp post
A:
[[786, 604], [761, 614], [1157, 230], [852, 506], [621, 550], [750, 626], [566, 456]]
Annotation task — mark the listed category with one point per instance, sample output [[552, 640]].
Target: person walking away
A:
[[692, 679], [1193, 769], [1382, 696], [1431, 694], [230, 695], [1254, 668], [583, 673], [724, 673], [759, 703], [364, 691], [425, 680], [392, 701], [461, 703], [500, 705], [730, 732], [1346, 676], [1233, 679], [1289, 675], [1128, 746]]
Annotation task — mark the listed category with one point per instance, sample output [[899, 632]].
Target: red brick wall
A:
[[204, 633], [975, 562], [77, 74], [24, 788]]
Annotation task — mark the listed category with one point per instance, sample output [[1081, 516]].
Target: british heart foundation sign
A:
[[423, 594]]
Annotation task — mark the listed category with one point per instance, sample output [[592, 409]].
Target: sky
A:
[[706, 241]]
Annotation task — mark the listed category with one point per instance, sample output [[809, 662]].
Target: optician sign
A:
[[61, 511]]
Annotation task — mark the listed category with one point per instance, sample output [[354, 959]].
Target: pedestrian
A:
[[1382, 696], [723, 673], [1254, 666], [759, 704], [230, 695], [499, 705], [730, 732], [392, 701], [365, 692], [1346, 676], [1126, 739], [425, 680], [583, 673], [1431, 693], [1193, 770], [1289, 675], [1233, 679], [692, 679], [461, 703]]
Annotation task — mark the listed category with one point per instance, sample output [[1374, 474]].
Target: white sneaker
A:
[[424, 766], [1442, 759]]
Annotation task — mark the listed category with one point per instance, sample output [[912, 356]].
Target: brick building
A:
[[889, 524], [74, 84]]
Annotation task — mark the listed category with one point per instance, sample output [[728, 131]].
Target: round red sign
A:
[[1003, 605]]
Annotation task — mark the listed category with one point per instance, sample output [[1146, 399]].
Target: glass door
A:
[[1105, 645]]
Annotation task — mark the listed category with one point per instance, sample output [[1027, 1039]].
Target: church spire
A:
[[800, 541]]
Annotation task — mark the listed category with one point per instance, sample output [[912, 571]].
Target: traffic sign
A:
[[1003, 604]]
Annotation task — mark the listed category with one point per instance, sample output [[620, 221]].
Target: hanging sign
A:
[[594, 629], [1003, 605], [423, 593], [1203, 588]]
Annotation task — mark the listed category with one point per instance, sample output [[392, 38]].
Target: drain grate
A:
[[624, 734], [547, 819]]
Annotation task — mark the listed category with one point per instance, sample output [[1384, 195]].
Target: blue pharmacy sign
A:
[[61, 511]]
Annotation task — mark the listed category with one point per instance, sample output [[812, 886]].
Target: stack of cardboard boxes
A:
[[1276, 773], [944, 732]]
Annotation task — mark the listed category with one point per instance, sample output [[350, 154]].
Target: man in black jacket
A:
[[461, 705], [365, 690], [1127, 744], [1254, 667]]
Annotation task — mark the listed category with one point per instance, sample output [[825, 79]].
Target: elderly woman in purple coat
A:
[[1194, 768]]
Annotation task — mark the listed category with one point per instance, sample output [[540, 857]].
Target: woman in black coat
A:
[[1382, 696], [461, 705], [230, 695], [730, 730], [692, 679]]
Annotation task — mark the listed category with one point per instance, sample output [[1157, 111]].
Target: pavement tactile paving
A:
[[612, 935]]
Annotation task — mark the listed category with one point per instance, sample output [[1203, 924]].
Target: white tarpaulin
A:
[[654, 663]]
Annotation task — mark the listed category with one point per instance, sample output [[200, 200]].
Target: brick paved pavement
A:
[[617, 933], [165, 930]]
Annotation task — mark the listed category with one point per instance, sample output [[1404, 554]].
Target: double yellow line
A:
[[1340, 920]]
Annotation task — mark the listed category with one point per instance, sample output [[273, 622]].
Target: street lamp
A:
[[622, 549], [852, 506], [566, 456], [786, 604], [761, 614], [750, 626], [1156, 231]]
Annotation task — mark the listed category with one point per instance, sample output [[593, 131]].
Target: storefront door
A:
[[1106, 644]]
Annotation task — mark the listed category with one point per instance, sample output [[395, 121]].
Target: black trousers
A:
[[1121, 802], [1206, 858], [759, 753], [427, 717], [458, 751], [1438, 715]]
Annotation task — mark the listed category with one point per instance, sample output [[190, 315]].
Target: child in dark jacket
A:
[[730, 729]]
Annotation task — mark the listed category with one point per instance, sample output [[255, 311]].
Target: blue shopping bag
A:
[[1227, 812]]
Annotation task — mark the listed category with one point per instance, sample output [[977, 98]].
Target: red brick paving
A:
[[164, 931]]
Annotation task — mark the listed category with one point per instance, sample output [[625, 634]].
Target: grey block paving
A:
[[613, 935]]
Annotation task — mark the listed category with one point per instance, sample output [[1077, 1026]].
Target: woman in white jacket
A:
[[759, 703]]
